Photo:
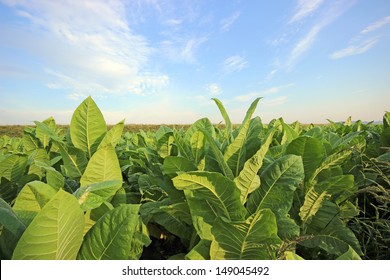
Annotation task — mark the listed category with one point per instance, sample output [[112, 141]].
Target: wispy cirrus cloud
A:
[[355, 49], [264, 92], [234, 63], [226, 23], [182, 49], [88, 46], [376, 25], [328, 14], [361, 44], [305, 8]]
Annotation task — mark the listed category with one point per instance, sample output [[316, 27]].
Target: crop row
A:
[[256, 191]]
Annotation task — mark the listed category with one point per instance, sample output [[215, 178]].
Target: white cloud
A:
[[330, 12], [213, 89], [275, 101], [305, 8], [265, 92], [355, 50], [173, 22], [87, 45], [303, 45], [181, 49], [226, 23], [234, 63], [376, 25]]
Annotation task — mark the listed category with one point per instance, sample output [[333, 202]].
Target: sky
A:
[[161, 61]]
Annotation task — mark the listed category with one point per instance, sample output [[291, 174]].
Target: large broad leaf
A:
[[175, 217], [55, 233], [40, 133], [224, 167], [10, 220], [328, 162], [197, 144], [339, 187], [254, 239], [111, 237], [182, 145], [279, 181], [31, 199], [13, 167], [46, 130], [87, 127], [310, 149], [228, 123], [103, 166], [201, 251], [209, 196], [92, 196], [248, 180], [113, 136], [349, 255], [235, 151], [289, 134], [53, 178], [38, 157], [75, 161], [176, 165], [329, 232], [203, 125]]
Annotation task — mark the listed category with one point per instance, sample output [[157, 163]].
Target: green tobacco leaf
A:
[[53, 177], [235, 151], [289, 134], [13, 167], [46, 130], [310, 149], [197, 144], [55, 233], [228, 123], [75, 161], [92, 196], [219, 156], [103, 166], [330, 233], [176, 165], [182, 145], [203, 125], [331, 244], [113, 135], [254, 239], [39, 158], [87, 127], [10, 220], [110, 238], [31, 199], [201, 251], [248, 180], [386, 120], [338, 188], [349, 255], [210, 195], [291, 256], [328, 162], [164, 144], [279, 181], [174, 217]]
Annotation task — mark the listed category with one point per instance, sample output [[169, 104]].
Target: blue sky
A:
[[161, 61]]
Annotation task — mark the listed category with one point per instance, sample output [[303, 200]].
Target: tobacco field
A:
[[252, 191]]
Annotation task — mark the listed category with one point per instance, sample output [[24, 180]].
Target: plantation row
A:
[[276, 191]]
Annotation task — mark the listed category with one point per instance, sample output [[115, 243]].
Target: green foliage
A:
[[248, 191]]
